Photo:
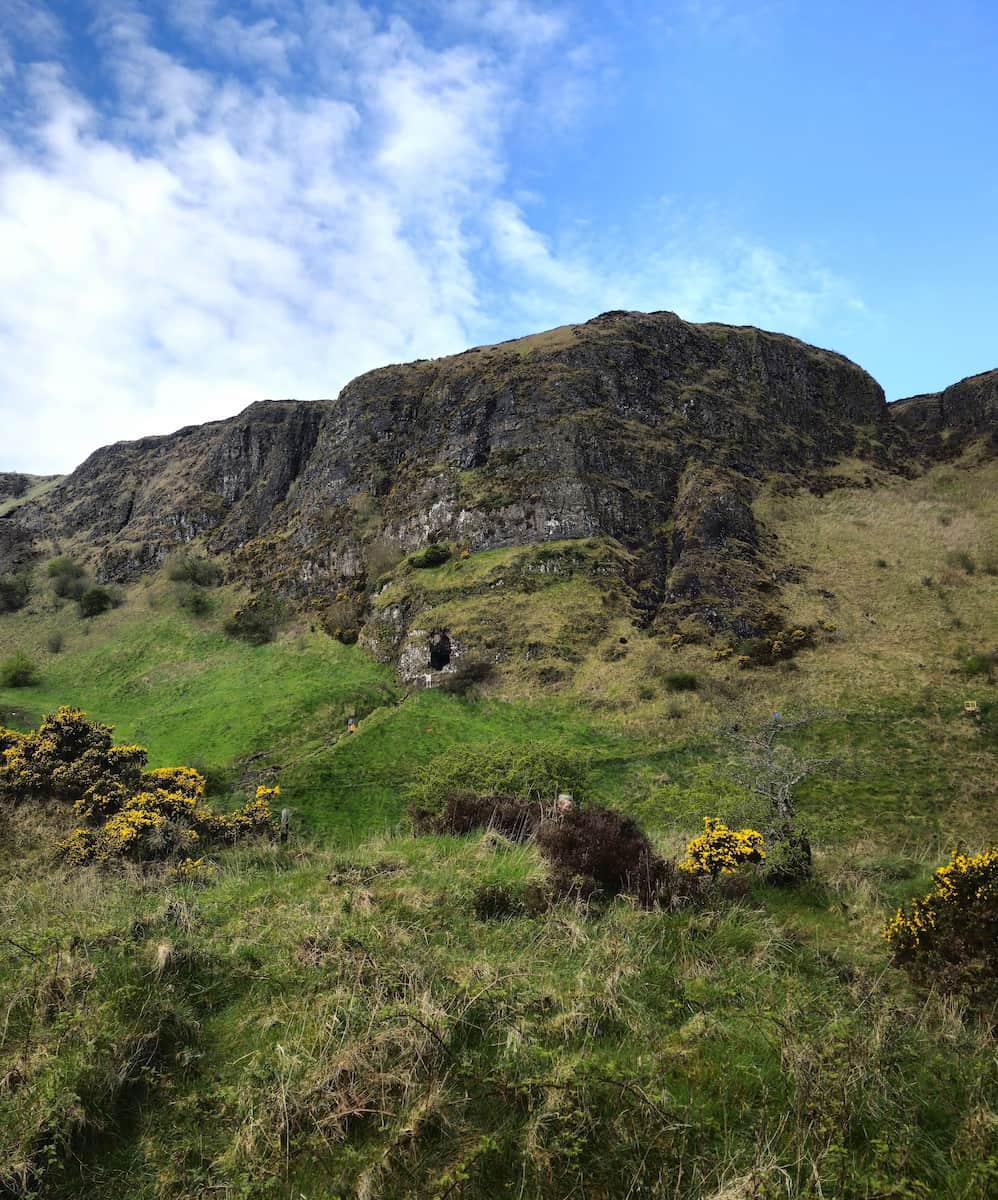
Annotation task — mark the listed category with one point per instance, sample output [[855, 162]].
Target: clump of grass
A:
[[961, 560], [681, 681]]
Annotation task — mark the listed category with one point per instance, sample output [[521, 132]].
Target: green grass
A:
[[309, 1025], [191, 694]]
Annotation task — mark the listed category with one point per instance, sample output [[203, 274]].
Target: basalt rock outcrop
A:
[[942, 423], [643, 430]]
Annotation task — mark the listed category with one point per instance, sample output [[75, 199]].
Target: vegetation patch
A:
[[129, 812], [949, 937], [18, 671]]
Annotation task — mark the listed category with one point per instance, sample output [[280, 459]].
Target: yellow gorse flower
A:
[[720, 850], [966, 882]]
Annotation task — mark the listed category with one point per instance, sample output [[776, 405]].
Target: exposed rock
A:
[[943, 422], [638, 428]]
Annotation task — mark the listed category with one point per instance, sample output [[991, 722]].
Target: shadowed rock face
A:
[[945, 421], [637, 427]]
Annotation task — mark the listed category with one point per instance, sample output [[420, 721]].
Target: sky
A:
[[206, 203]]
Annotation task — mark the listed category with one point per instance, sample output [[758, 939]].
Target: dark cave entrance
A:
[[439, 651]]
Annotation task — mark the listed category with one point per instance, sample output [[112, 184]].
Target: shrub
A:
[[258, 621], [535, 772], [129, 812], [982, 663], [464, 812], [720, 850], [603, 849], [164, 824], [949, 937], [186, 567], [68, 577], [14, 592], [343, 617], [66, 758], [96, 600], [681, 681], [881, 564], [18, 671], [788, 859], [764, 651], [434, 555], [195, 600], [55, 642]]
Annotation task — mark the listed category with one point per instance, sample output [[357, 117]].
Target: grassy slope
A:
[[190, 693], [409, 1049], [9, 503], [181, 687], [307, 1026]]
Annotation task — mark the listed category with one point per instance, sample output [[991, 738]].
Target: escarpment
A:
[[942, 423], [638, 432]]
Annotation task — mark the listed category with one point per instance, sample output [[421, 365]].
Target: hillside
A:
[[598, 545]]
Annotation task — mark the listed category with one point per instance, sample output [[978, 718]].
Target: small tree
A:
[[769, 769]]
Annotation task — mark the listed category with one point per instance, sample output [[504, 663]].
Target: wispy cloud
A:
[[266, 199]]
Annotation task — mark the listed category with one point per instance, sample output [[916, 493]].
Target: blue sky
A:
[[205, 203]]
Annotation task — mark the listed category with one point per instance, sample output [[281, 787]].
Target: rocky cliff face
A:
[[943, 422], [14, 486], [638, 428]]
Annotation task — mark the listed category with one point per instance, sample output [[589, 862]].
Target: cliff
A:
[[643, 431]]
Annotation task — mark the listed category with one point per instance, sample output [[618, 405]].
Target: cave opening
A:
[[439, 651]]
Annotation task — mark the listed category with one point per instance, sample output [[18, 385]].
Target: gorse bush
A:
[[949, 937], [163, 823], [258, 621], [193, 568], [129, 812], [195, 600], [720, 850], [982, 663], [65, 758], [96, 600]]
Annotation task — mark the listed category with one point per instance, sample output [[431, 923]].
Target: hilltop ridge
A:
[[650, 436]]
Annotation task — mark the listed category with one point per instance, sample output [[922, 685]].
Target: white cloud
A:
[[215, 235]]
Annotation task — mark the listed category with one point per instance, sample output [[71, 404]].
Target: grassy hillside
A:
[[342, 1017], [906, 571], [310, 1025]]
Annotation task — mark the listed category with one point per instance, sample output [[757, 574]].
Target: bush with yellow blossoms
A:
[[949, 937], [126, 811], [720, 850]]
